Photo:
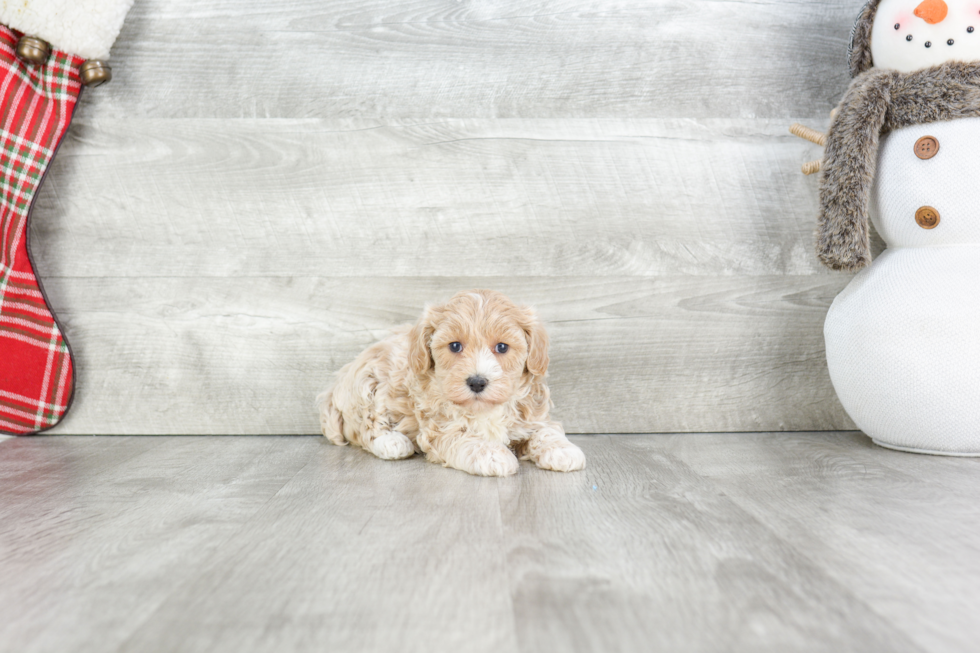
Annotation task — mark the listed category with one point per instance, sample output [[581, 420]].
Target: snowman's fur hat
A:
[[859, 51], [877, 102]]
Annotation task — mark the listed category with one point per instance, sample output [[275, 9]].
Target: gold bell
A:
[[95, 73], [33, 50]]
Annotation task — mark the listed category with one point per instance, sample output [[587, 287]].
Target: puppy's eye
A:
[[501, 348], [455, 347]]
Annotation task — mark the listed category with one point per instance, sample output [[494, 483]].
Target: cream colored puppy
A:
[[465, 385]]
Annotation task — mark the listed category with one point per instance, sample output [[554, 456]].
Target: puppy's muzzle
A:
[[477, 384]]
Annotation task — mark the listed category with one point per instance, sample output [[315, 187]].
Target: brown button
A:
[[927, 217], [926, 147]]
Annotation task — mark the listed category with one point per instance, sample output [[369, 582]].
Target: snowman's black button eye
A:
[[908, 38], [455, 347], [897, 25], [949, 42], [969, 30], [928, 44]]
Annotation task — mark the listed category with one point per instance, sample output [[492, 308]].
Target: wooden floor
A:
[[747, 542]]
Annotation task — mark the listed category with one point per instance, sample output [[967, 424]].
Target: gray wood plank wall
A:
[[265, 188]]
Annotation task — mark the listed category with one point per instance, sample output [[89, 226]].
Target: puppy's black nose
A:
[[477, 384]]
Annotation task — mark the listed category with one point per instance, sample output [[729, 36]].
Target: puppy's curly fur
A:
[[420, 390]]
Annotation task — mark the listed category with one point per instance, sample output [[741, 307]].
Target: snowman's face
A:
[[911, 35]]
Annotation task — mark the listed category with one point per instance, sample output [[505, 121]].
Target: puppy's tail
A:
[[331, 421]]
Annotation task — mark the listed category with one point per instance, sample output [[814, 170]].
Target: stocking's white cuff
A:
[[86, 28]]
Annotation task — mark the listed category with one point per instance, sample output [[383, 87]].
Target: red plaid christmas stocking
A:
[[36, 106]]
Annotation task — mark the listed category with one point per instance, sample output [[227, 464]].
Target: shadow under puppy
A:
[[465, 385]]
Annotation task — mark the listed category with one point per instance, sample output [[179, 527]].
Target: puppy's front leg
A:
[[548, 448], [468, 453]]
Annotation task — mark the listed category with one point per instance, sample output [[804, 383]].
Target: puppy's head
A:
[[479, 348]]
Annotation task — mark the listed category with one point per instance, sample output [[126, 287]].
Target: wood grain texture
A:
[[234, 308], [926, 546], [440, 584], [422, 59], [178, 355], [266, 188], [442, 198], [649, 538], [736, 542], [112, 525]]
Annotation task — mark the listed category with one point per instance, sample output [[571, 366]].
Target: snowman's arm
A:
[[812, 135], [807, 134]]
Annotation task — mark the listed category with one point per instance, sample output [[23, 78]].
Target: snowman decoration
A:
[[903, 151]]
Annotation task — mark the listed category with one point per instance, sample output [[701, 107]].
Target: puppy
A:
[[465, 385]]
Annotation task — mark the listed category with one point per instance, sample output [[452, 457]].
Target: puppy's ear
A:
[[419, 354], [537, 343]]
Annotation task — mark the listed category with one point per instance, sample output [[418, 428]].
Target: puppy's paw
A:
[[489, 461], [497, 462], [392, 445], [566, 458]]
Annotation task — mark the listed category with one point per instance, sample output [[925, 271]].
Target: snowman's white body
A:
[[903, 339]]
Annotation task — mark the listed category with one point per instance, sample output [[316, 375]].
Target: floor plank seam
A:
[[231, 537]]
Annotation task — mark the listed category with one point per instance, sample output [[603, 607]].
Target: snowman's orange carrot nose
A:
[[932, 11]]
